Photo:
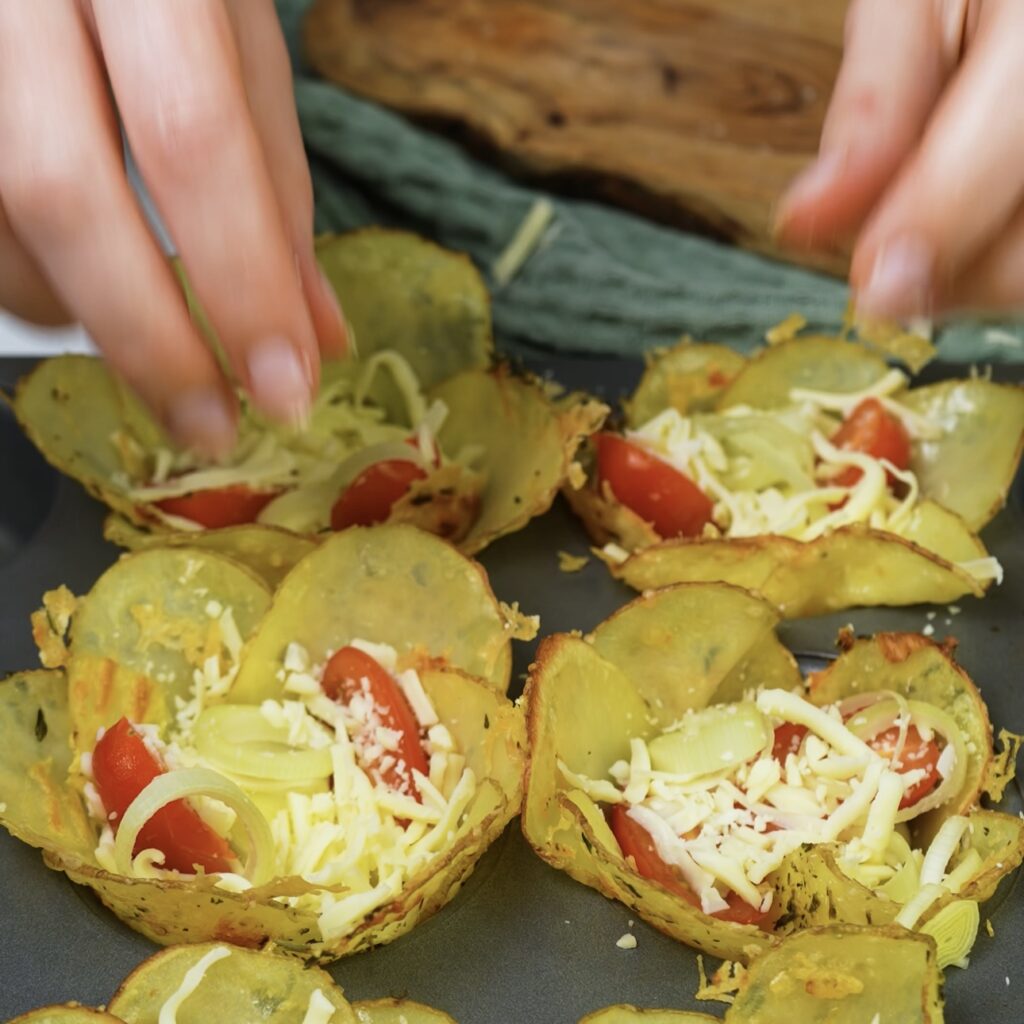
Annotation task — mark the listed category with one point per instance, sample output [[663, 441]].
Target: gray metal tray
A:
[[521, 942]]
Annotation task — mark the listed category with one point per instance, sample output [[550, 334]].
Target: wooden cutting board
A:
[[695, 112]]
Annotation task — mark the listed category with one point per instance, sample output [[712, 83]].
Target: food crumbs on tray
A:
[[953, 609], [989, 929], [626, 941], [568, 562], [928, 630]]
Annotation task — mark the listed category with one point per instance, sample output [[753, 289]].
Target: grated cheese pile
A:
[[343, 830], [727, 825]]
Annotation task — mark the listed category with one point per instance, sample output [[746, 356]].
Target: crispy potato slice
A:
[[814, 362], [404, 293], [631, 1015], [87, 424], [693, 645], [847, 567], [389, 584], [987, 434], [689, 376], [69, 1014], [38, 805], [241, 986], [267, 550], [526, 439], [398, 1011], [145, 627], [842, 975]]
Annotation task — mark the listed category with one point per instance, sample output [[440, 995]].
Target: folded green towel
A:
[[601, 281]]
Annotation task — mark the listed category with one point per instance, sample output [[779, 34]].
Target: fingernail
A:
[[343, 343], [280, 380], [810, 183], [902, 278], [203, 420]]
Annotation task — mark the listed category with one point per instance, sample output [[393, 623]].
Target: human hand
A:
[[922, 158], [205, 96]]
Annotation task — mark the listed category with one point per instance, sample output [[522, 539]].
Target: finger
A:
[[175, 73], [965, 180], [24, 291], [894, 66], [266, 73], [995, 281], [67, 198]]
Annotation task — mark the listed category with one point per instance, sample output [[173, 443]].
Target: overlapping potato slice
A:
[[149, 623], [216, 981], [136, 642], [839, 975], [66, 1015], [389, 584], [964, 476], [689, 376], [526, 439], [631, 1015], [398, 1011], [421, 315], [268, 551], [684, 648]]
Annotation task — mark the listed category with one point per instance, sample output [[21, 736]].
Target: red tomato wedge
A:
[[918, 754], [370, 497], [220, 506], [788, 738], [351, 673], [636, 843], [654, 490], [122, 766], [875, 431]]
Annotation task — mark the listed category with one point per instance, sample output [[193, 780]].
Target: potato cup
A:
[[810, 473], [680, 764], [422, 427], [319, 767]]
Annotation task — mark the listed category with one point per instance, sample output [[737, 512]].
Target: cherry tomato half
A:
[[351, 673], [875, 431], [918, 754], [654, 490], [219, 506], [636, 843], [122, 766], [370, 497], [788, 737]]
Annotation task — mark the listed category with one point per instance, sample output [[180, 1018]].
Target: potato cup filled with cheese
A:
[[680, 763], [421, 426], [198, 983], [319, 767], [812, 474]]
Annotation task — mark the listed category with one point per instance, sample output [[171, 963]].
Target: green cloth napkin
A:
[[602, 281]]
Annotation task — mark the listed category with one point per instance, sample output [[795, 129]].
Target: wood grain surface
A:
[[696, 112]]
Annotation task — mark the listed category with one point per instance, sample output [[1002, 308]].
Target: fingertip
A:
[[204, 420], [281, 378]]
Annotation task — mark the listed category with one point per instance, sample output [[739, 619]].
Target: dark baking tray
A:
[[521, 942]]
